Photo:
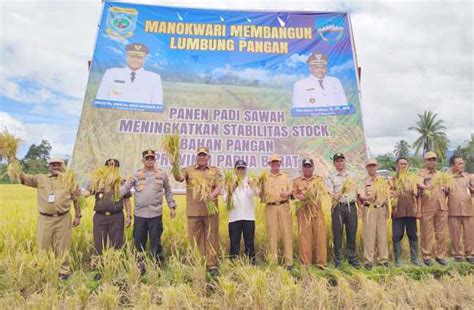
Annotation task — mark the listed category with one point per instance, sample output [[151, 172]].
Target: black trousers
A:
[[149, 227], [236, 230], [399, 225], [344, 216], [107, 231]]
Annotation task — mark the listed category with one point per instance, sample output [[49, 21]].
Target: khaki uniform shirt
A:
[[302, 185], [366, 189], [276, 184], [437, 197], [47, 185], [150, 186], [406, 203], [334, 183], [459, 197], [195, 206]]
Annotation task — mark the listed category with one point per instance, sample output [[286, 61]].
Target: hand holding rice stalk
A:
[[202, 189], [8, 148], [317, 195], [405, 183], [348, 186], [441, 180], [107, 179], [231, 182], [171, 144], [68, 179], [380, 194]]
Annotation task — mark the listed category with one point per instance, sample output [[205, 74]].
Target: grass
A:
[[28, 279]]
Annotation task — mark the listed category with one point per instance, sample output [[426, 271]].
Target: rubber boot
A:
[[397, 253], [414, 253]]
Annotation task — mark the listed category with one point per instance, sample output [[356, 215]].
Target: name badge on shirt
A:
[[51, 198]]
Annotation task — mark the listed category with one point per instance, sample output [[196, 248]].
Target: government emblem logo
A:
[[121, 22]]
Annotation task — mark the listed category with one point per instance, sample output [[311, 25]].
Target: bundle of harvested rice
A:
[[171, 145], [202, 189], [106, 179], [9, 145]]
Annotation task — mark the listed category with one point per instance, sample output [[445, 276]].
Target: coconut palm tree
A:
[[432, 137], [402, 149]]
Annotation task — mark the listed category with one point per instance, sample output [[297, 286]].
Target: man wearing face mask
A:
[[319, 89], [54, 201], [132, 83]]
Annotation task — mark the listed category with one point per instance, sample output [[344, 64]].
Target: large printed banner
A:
[[245, 84]]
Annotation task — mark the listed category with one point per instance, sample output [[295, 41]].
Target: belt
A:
[[375, 206], [54, 215], [346, 203], [277, 203], [108, 213]]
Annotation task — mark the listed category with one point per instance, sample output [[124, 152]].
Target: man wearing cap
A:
[[374, 218], [132, 83], [108, 221], [344, 213], [276, 193], [54, 199], [242, 214], [319, 89], [150, 184], [434, 219], [311, 225], [404, 215], [203, 228], [461, 211]]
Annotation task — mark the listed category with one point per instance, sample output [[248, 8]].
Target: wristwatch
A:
[[79, 216]]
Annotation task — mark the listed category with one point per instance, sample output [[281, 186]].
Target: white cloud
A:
[[294, 60], [13, 125]]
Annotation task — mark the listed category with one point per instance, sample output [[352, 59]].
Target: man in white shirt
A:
[[319, 89], [242, 215], [132, 83]]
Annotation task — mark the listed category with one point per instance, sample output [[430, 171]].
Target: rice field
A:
[[28, 279]]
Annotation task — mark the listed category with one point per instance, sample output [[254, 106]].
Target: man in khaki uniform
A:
[[311, 225], [54, 203], [275, 194], [434, 219], [203, 228], [461, 211], [404, 215], [374, 219]]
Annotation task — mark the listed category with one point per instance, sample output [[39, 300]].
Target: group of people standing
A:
[[435, 207]]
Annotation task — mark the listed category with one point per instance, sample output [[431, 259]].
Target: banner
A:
[[245, 84]]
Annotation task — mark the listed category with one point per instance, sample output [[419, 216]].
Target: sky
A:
[[415, 56]]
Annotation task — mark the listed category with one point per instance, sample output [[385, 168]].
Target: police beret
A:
[[308, 161], [137, 47], [317, 59]]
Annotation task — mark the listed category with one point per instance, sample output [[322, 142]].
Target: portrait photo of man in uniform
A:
[[318, 89], [132, 83]]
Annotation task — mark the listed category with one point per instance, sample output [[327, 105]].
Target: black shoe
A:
[[97, 277], [337, 264], [428, 262], [416, 263], [458, 259], [355, 264], [385, 264], [289, 268], [368, 266], [63, 276], [470, 260], [442, 261]]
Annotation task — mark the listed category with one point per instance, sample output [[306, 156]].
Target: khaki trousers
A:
[[433, 224], [279, 226], [461, 225], [54, 233], [312, 238], [203, 232], [374, 234]]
